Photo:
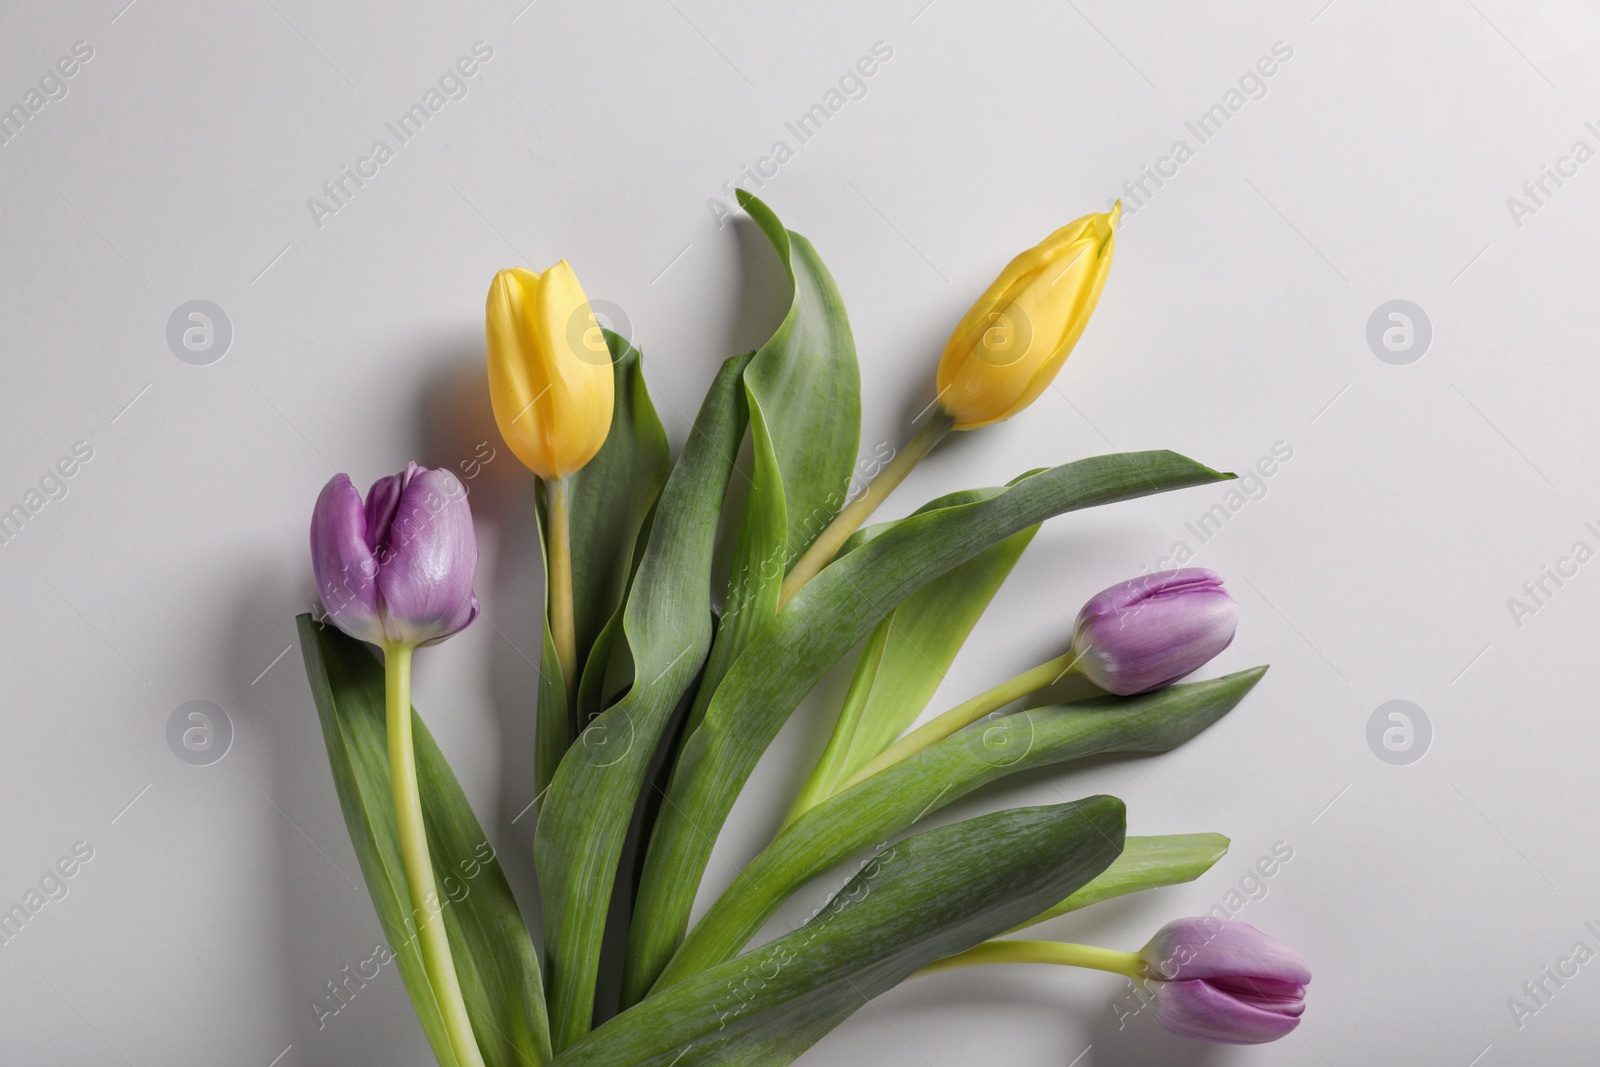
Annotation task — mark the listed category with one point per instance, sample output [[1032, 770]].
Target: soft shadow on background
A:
[[456, 430], [319, 881]]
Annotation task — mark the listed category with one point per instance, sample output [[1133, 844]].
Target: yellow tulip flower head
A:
[[550, 377], [1008, 348]]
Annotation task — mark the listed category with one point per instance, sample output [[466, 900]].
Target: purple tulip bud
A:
[[397, 570], [1223, 980], [1150, 631]]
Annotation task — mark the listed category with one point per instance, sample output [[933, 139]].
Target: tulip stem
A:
[[967, 713], [827, 545], [562, 630], [1127, 964], [426, 912]]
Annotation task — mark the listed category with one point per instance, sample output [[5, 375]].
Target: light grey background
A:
[[1378, 565]]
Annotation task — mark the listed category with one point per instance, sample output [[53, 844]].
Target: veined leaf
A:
[[608, 501], [823, 621], [1145, 863], [611, 495], [921, 899], [667, 624], [905, 658], [494, 957], [897, 796], [805, 389], [802, 389]]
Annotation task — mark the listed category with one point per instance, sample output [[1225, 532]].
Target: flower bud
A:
[[1152, 630], [397, 569], [1224, 980], [1010, 345], [550, 378]]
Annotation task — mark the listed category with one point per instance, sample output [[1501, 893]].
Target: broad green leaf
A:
[[1145, 863], [667, 626], [921, 899], [609, 500], [611, 496], [495, 959], [820, 624], [940, 774], [803, 390], [905, 658]]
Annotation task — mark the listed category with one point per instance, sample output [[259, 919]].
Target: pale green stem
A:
[[1127, 964], [827, 545], [562, 630], [965, 714], [426, 910]]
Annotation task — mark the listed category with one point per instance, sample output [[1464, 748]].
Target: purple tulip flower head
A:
[[1152, 630], [398, 569], [1223, 980]]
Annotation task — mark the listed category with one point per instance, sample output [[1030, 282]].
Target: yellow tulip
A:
[[550, 377], [1008, 348]]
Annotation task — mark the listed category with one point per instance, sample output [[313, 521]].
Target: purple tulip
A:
[[398, 569], [1152, 630], [1223, 980]]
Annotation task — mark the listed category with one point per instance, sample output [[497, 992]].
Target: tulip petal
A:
[[517, 380], [428, 560], [382, 501], [1205, 947], [343, 561], [550, 377], [1009, 346], [1150, 631], [1201, 1009], [581, 396]]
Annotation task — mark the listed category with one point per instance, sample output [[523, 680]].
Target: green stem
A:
[[827, 545], [426, 911], [967, 713], [562, 629], [1127, 964]]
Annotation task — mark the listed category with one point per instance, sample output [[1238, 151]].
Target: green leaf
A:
[[1145, 863], [803, 390], [494, 957], [940, 774], [905, 659], [667, 625], [921, 899], [610, 497], [608, 502], [824, 620]]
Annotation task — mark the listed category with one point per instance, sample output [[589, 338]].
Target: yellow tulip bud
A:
[[550, 378], [1008, 348]]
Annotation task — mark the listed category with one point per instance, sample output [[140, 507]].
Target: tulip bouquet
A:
[[669, 666]]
